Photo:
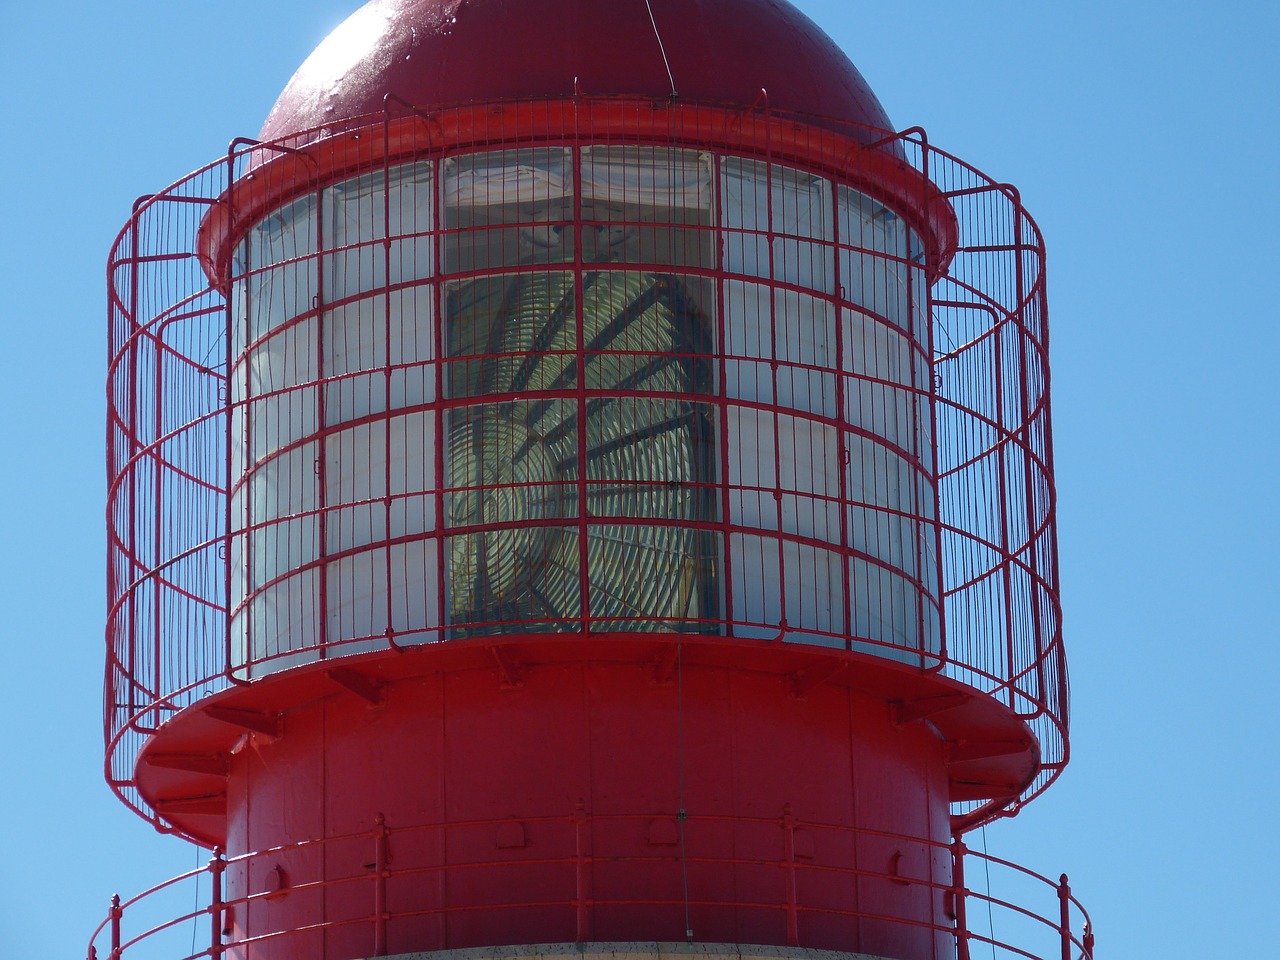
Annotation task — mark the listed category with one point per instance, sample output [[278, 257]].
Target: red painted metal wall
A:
[[497, 773]]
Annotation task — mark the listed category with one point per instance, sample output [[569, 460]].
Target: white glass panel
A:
[[356, 339], [507, 207], [878, 357], [360, 215], [874, 257], [814, 593], [648, 205], [356, 596], [757, 586], [748, 334], [765, 570], [353, 479], [413, 484], [415, 591], [799, 331], [799, 461], [511, 176], [886, 609], [285, 412], [283, 621], [351, 348], [646, 176], [759, 201], [278, 267]]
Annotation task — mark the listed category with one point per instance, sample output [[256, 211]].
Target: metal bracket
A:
[[664, 664], [357, 683], [211, 763], [806, 680], [907, 711], [984, 750], [266, 723], [509, 669], [212, 804]]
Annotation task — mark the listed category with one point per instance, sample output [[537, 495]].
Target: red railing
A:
[[172, 407], [1033, 917]]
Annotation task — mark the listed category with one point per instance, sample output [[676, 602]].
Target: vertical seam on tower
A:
[[682, 817]]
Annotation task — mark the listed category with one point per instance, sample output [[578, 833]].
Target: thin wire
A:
[[986, 866], [195, 910], [662, 48], [682, 818]]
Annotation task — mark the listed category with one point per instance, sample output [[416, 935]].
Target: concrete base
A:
[[636, 950]]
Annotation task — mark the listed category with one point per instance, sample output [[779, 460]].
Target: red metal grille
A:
[[181, 419]]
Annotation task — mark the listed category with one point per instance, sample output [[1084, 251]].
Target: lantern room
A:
[[672, 391]]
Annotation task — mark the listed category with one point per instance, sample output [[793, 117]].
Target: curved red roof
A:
[[445, 52]]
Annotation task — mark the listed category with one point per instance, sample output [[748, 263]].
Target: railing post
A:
[[1064, 905], [1088, 940], [116, 913], [216, 867], [959, 896], [581, 892], [380, 886], [789, 853]]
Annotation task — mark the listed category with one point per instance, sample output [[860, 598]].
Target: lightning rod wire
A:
[[986, 865], [662, 49]]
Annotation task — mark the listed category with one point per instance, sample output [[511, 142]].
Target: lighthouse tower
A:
[[581, 484]]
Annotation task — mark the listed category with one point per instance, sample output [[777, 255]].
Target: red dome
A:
[[444, 52]]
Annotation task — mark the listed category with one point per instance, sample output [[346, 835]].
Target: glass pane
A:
[[645, 577], [507, 207], [515, 333], [646, 205], [778, 224]]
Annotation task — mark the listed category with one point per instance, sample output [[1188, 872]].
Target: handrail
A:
[[1048, 921]]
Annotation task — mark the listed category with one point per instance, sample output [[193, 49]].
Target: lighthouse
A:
[[581, 484]]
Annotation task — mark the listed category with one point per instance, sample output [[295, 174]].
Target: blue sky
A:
[[1143, 139]]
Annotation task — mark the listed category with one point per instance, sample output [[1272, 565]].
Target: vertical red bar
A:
[[216, 867], [229, 483], [1000, 337], [935, 388], [725, 554], [960, 895], [442, 371], [1030, 413], [320, 308], [580, 346], [158, 557], [116, 913], [387, 438], [136, 571], [842, 440], [1064, 904]]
